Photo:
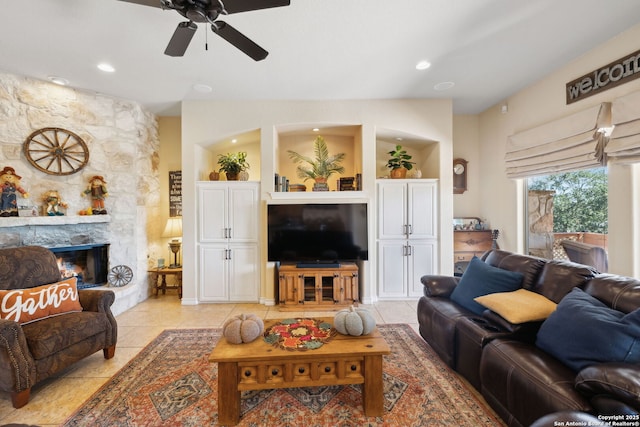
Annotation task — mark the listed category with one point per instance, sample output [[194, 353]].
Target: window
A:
[[567, 206]]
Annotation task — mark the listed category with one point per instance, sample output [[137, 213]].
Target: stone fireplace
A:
[[123, 148]]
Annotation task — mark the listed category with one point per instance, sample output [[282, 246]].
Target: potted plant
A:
[[322, 166], [232, 164], [399, 163]]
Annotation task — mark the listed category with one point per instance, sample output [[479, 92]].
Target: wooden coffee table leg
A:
[[373, 388], [228, 394]]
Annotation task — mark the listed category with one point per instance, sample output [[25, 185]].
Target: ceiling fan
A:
[[207, 11]]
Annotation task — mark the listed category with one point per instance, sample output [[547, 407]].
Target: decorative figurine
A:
[[54, 202], [10, 184], [98, 191]]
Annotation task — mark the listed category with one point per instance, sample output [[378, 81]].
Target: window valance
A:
[[624, 142], [571, 143]]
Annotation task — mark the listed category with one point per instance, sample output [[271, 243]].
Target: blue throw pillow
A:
[[481, 279], [584, 331]]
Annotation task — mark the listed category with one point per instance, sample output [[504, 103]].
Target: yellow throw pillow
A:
[[518, 306], [31, 304]]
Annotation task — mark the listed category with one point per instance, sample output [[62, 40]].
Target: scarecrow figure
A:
[[98, 191], [54, 201], [10, 184]]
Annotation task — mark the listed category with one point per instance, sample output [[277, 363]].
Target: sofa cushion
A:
[[583, 331], [558, 278], [523, 383], [518, 306], [31, 304], [528, 265], [54, 334], [481, 279], [618, 292], [611, 379]]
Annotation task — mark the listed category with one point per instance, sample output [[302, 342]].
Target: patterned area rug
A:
[[172, 383]]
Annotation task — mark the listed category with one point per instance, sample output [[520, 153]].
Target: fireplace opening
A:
[[88, 263]]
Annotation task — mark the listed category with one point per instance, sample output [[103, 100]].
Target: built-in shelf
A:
[[18, 221]]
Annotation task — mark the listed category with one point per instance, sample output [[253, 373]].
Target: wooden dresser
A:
[[470, 243]]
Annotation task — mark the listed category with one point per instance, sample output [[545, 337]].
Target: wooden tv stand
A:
[[317, 287]]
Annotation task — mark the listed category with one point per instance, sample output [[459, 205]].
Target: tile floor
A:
[[55, 399]]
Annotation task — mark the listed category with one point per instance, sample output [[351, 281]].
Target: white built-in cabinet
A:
[[407, 236], [228, 250]]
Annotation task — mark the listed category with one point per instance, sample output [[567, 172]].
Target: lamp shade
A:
[[173, 227]]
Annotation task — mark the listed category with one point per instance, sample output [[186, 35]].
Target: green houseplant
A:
[[399, 163], [322, 166], [232, 164]]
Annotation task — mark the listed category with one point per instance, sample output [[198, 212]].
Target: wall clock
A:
[[460, 170], [56, 151]]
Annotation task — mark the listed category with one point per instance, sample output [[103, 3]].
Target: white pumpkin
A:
[[354, 321], [242, 328]]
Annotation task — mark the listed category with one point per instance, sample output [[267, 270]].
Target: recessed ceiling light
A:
[[423, 65], [398, 138], [233, 141], [316, 129], [202, 88], [444, 85], [107, 68], [58, 80]]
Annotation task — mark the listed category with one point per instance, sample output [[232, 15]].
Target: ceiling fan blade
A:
[[239, 40], [236, 6], [181, 38], [152, 3]]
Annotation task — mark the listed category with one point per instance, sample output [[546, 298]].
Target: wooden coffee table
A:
[[258, 366]]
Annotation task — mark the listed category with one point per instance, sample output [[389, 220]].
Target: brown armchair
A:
[[31, 352]]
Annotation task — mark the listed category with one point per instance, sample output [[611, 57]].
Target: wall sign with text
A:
[[611, 75], [175, 193]]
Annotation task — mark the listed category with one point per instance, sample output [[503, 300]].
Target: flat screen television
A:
[[309, 233]]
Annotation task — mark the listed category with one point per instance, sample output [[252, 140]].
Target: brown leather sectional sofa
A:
[[32, 352], [504, 360]]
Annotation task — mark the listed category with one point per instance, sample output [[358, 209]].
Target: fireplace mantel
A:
[[19, 221]]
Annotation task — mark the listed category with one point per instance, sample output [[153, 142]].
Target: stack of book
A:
[[346, 184], [297, 187], [281, 183]]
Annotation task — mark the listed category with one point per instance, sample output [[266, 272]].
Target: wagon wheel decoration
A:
[[120, 275], [56, 151]]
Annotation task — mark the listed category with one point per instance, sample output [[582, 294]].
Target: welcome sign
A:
[[611, 75]]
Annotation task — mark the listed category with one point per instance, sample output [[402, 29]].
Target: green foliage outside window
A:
[[580, 201]]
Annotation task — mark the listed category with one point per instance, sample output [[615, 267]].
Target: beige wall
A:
[[466, 145], [169, 129], [502, 198]]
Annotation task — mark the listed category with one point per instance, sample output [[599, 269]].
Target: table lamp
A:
[[173, 230]]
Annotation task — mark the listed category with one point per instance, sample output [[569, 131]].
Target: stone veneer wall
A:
[[123, 148]]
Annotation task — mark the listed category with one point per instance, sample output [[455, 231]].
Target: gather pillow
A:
[[519, 306], [31, 304], [584, 331], [481, 279]]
